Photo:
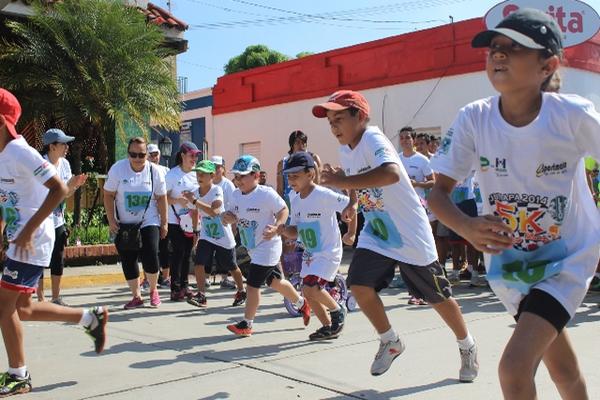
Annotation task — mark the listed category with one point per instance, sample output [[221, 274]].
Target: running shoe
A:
[[337, 320], [240, 298], [240, 329], [135, 302], [155, 299], [386, 354], [13, 384], [59, 302], [305, 311], [97, 329], [323, 333], [199, 300], [227, 283], [469, 366]]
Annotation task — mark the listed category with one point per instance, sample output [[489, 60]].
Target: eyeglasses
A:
[[154, 154], [136, 155]]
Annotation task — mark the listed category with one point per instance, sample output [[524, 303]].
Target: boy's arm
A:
[[486, 233], [289, 231], [383, 175], [57, 191], [280, 218]]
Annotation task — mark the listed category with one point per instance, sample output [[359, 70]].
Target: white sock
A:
[[467, 342], [87, 319], [389, 336], [21, 372], [249, 322], [300, 302], [337, 308]]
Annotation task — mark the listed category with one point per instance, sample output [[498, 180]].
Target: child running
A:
[[396, 230], [30, 190], [216, 240], [314, 221], [542, 231], [258, 211]]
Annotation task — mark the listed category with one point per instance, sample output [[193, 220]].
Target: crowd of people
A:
[[537, 224]]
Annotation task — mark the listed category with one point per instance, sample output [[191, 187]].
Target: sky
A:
[[222, 29]]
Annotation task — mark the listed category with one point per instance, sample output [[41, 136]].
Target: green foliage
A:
[[304, 54], [93, 228], [254, 56], [89, 63]]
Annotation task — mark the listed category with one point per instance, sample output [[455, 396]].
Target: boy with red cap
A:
[[396, 230], [29, 191]]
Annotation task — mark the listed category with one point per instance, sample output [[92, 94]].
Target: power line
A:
[[179, 60]]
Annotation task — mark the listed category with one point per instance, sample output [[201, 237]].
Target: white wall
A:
[[392, 107]]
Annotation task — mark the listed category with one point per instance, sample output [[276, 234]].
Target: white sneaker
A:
[[386, 354], [469, 366], [478, 280]]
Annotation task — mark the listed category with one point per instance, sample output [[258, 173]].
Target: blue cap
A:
[[299, 161], [245, 164], [56, 136]]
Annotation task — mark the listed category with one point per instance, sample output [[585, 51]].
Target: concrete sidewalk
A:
[[185, 352]]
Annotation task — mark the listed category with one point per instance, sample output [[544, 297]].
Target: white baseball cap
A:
[[152, 148], [217, 160]]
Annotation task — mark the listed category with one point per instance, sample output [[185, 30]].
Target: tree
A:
[[88, 66], [254, 56], [304, 54]]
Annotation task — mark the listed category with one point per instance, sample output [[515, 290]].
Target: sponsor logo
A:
[[253, 210], [7, 180], [364, 169], [13, 274], [551, 169], [577, 20], [313, 215], [42, 169], [499, 165]]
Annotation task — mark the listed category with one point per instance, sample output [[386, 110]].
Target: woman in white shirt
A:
[[135, 193], [56, 146]]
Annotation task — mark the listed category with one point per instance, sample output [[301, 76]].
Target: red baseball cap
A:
[[342, 100], [10, 109]]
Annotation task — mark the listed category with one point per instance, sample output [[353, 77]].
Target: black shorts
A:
[[545, 306], [206, 252], [259, 274], [468, 207], [375, 270]]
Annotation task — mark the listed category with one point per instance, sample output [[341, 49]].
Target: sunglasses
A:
[[136, 155]]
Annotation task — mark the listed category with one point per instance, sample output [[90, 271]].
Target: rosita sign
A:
[[577, 20]]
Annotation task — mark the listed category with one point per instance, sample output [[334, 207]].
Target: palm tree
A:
[[89, 67]]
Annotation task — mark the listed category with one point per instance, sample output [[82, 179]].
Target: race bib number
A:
[[213, 228], [247, 235], [136, 201], [380, 226], [310, 234], [459, 194], [521, 270]]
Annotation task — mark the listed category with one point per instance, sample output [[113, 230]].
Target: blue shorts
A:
[[20, 277]]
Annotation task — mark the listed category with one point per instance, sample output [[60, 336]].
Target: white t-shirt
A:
[[212, 229], [228, 187], [255, 211], [316, 221], [133, 190], [162, 169], [22, 176], [396, 224], [65, 174], [417, 168], [179, 182], [533, 178]]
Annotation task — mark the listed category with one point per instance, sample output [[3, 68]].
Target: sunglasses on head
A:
[[136, 155]]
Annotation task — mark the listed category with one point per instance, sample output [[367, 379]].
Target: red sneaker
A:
[[136, 302], [240, 329], [305, 311], [154, 299]]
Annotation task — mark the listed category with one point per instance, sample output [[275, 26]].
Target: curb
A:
[[81, 281]]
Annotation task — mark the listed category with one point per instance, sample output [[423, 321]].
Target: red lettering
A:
[[573, 23], [510, 8], [576, 22]]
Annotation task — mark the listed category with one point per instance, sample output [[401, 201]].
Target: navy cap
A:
[[189, 147], [529, 27], [299, 162], [56, 136]]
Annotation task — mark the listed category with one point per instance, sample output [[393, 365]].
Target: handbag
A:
[[129, 237], [183, 226]]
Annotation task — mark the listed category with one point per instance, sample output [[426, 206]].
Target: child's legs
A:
[[12, 331], [320, 301], [204, 261], [252, 302], [40, 289], [257, 275], [200, 273], [429, 283], [285, 288], [539, 320], [32, 311], [238, 278], [370, 272], [561, 361], [226, 260]]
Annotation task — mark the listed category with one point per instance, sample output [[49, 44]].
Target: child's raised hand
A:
[[488, 234], [349, 238], [332, 176], [348, 213]]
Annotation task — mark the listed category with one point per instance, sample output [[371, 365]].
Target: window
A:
[[252, 148]]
